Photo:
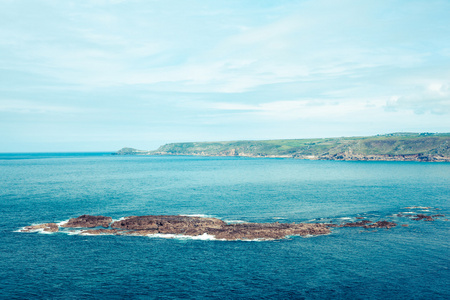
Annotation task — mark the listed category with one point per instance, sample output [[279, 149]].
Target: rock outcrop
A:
[[47, 227], [381, 224], [195, 226], [199, 226], [419, 217], [168, 224], [369, 224], [87, 221]]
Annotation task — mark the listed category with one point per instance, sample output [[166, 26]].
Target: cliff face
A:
[[395, 147]]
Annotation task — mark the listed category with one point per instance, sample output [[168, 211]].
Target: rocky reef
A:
[[197, 226], [185, 226], [47, 227], [369, 224]]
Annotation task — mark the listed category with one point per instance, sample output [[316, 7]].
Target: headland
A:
[[422, 147]]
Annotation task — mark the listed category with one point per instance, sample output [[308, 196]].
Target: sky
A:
[[99, 75]]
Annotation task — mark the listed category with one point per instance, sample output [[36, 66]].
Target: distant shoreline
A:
[[419, 147]]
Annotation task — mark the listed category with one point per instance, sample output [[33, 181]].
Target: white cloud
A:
[[433, 98], [302, 109], [30, 107]]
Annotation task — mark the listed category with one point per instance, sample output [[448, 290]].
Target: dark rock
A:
[[381, 224], [168, 224], [357, 224], [194, 226], [101, 231], [87, 221], [422, 217]]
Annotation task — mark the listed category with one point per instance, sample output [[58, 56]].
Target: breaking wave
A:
[[203, 237], [197, 215]]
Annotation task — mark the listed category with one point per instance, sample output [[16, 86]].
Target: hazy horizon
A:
[[94, 76]]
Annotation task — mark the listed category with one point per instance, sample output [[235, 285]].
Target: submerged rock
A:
[[87, 221]]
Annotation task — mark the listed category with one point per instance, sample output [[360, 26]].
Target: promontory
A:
[[424, 147]]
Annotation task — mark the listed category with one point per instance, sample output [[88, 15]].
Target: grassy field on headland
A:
[[395, 146]]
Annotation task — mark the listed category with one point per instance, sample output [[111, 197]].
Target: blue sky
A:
[[98, 75]]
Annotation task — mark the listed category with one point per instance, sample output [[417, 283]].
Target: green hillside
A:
[[351, 148]]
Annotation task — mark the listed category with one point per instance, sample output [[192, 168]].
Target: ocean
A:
[[351, 263]]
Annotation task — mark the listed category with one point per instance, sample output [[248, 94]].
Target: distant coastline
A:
[[422, 147]]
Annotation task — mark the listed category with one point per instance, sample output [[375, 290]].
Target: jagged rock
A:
[[357, 224], [251, 231], [365, 224], [167, 224], [381, 224], [194, 226], [422, 217], [87, 221], [101, 231], [47, 227]]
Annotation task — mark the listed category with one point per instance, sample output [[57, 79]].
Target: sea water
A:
[[351, 263]]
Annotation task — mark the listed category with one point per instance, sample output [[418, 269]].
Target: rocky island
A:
[[422, 147], [197, 226], [214, 228], [185, 225]]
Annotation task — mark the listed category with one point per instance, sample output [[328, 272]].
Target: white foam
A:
[[418, 207], [90, 234], [197, 215], [234, 221], [27, 229], [37, 230], [42, 231], [73, 232], [62, 223], [408, 212], [203, 237], [118, 220], [345, 218]]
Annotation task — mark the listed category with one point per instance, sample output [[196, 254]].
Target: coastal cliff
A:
[[426, 147]]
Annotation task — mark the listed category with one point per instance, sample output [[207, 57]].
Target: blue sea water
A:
[[401, 263]]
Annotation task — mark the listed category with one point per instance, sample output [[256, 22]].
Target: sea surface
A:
[[351, 263]]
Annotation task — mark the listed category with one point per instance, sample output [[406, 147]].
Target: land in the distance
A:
[[433, 147]]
